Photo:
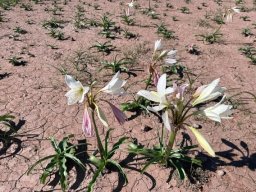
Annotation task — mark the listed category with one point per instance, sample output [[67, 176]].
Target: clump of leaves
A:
[[185, 10], [19, 30], [105, 47], [218, 18], [7, 4], [137, 105], [105, 160], [151, 13], [245, 18], [128, 19], [128, 34], [64, 152], [17, 61], [249, 52], [53, 23], [116, 65], [27, 6], [5, 119], [176, 69], [211, 38], [247, 32], [57, 34], [163, 31], [80, 20]]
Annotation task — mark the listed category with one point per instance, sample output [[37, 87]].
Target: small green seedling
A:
[[27, 6], [116, 65], [57, 34], [19, 30], [17, 61], [128, 34], [163, 31], [128, 20], [105, 47], [53, 23], [64, 153], [249, 52], [137, 105], [247, 32], [211, 38], [185, 10], [245, 18], [218, 18]]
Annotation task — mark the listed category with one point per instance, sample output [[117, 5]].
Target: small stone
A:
[[221, 173]]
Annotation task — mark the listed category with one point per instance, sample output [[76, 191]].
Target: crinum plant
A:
[[160, 58], [77, 94], [176, 109]]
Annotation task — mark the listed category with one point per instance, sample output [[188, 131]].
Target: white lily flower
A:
[[158, 45], [218, 111], [236, 9], [131, 4], [208, 92], [77, 90], [159, 97], [115, 86], [171, 57]]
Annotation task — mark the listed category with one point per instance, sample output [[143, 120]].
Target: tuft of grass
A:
[[57, 34], [17, 61], [163, 31], [19, 30], [105, 47], [211, 38], [247, 32], [27, 6], [185, 10], [7, 4], [249, 52]]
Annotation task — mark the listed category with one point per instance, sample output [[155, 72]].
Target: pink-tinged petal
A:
[[119, 115], [87, 125], [156, 77]]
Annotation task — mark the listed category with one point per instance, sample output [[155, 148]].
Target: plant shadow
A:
[[9, 138], [236, 156]]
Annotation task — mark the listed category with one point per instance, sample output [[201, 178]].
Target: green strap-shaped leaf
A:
[[75, 159], [202, 141], [116, 146], [63, 173], [48, 169], [94, 178], [178, 166], [39, 161], [106, 141]]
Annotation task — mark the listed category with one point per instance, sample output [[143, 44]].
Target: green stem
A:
[[148, 81], [171, 139], [100, 146]]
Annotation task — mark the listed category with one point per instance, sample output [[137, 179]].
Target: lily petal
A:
[[101, 116], [87, 125], [202, 141]]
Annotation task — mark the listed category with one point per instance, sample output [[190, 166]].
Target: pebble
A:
[[221, 173]]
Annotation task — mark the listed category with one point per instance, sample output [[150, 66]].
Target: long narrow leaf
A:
[[75, 159], [39, 161], [94, 178]]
